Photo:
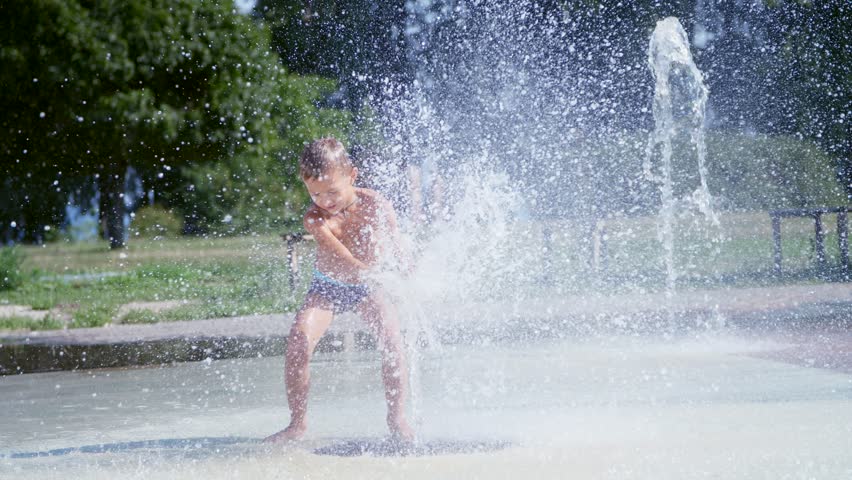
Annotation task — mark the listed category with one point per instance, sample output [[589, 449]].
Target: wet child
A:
[[353, 227]]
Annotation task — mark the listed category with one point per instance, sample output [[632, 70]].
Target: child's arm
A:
[[315, 225]]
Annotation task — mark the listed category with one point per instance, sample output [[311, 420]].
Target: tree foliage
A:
[[251, 193], [818, 61], [782, 68], [361, 43], [779, 67], [90, 88], [192, 95]]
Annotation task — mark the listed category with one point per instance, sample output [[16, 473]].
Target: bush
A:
[[760, 172], [155, 221], [241, 195], [10, 268], [746, 172]]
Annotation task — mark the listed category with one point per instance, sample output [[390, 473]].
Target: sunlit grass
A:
[[629, 255], [68, 257], [26, 323], [86, 284]]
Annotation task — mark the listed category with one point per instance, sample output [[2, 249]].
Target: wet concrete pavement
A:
[[713, 404]]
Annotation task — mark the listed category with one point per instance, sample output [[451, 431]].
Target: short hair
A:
[[321, 156]]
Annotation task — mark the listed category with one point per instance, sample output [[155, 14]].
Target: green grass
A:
[[64, 257], [739, 253], [26, 323], [224, 277], [218, 277]]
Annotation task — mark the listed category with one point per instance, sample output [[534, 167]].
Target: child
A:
[[351, 225]]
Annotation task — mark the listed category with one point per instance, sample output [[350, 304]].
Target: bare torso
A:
[[357, 228]]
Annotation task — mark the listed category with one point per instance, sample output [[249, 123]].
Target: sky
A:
[[244, 6]]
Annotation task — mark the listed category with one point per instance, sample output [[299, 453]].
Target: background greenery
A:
[[166, 87], [11, 276], [210, 107], [85, 284]]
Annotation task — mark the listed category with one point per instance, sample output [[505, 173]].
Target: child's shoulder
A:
[[376, 205], [368, 194], [373, 198]]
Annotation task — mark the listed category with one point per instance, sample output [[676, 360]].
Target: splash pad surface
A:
[[718, 403]]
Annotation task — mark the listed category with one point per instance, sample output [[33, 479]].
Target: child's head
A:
[[322, 157], [328, 174]]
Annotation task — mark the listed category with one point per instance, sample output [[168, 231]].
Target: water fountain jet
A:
[[671, 63]]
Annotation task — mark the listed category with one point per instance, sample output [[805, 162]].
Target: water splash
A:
[[509, 129], [675, 73], [462, 259]]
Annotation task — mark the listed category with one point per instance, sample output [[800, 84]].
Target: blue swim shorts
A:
[[343, 296]]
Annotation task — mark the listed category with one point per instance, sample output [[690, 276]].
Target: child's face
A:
[[334, 190]]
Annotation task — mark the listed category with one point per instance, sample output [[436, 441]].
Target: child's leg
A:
[[383, 322], [311, 322]]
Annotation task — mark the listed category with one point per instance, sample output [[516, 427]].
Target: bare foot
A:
[[289, 434]]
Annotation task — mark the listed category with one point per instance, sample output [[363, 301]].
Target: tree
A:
[[261, 193], [780, 68], [91, 88], [817, 62], [361, 43]]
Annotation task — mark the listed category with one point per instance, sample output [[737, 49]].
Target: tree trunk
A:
[[111, 185]]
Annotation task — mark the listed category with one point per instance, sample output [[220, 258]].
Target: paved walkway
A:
[[622, 408], [119, 345]]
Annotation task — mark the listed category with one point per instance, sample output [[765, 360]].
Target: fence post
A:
[[843, 239], [820, 240], [776, 240]]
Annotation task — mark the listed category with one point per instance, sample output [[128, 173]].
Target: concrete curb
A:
[[577, 316]]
